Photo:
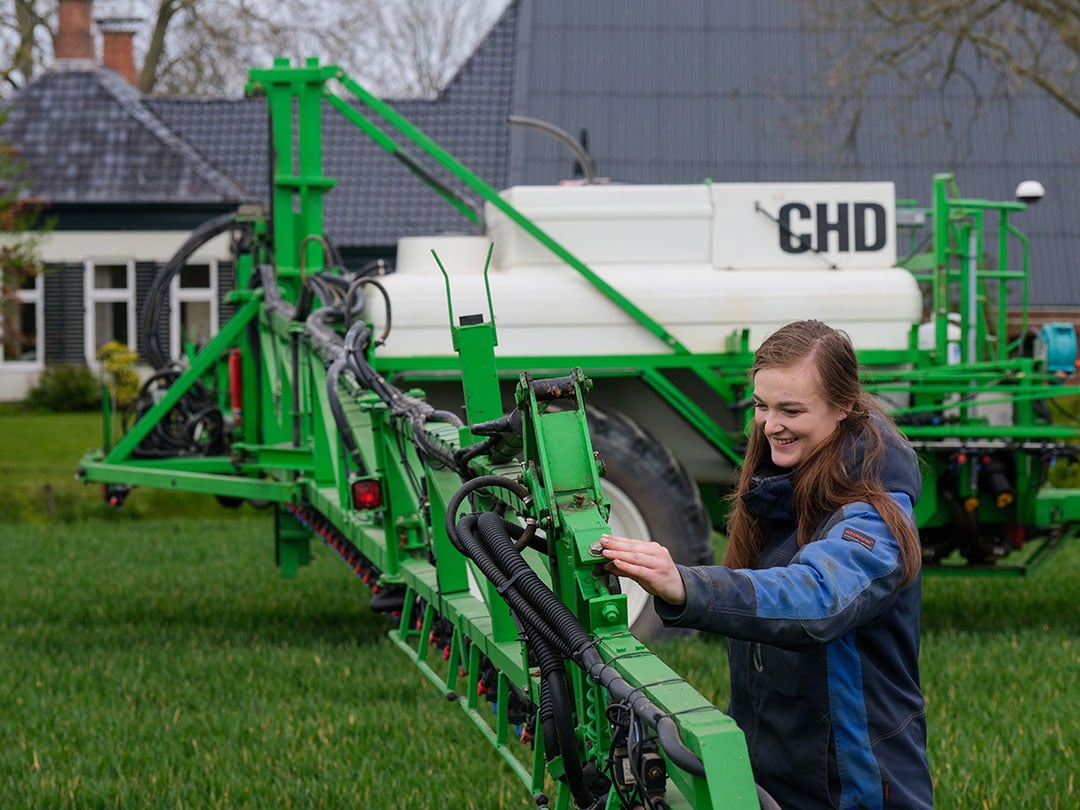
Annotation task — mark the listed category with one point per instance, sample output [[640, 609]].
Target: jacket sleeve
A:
[[849, 577]]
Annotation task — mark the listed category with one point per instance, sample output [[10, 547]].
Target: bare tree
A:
[[24, 41], [199, 46], [397, 47], [415, 46], [964, 52]]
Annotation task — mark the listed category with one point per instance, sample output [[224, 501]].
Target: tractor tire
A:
[[652, 498]]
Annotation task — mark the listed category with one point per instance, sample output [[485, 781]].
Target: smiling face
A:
[[792, 411]]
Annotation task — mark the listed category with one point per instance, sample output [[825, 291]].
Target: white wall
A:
[[16, 379]]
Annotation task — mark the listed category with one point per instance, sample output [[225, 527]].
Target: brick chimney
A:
[[118, 53], [74, 39]]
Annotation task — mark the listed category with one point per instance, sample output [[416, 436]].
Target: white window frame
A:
[[192, 295], [94, 296], [35, 296]]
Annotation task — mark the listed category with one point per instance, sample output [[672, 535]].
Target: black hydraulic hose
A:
[[348, 353], [210, 421], [355, 292], [579, 645], [174, 436], [335, 254], [497, 542], [294, 349], [273, 298], [559, 723], [464, 455], [555, 717], [344, 428], [326, 342], [355, 343], [466, 541], [480, 482], [545, 719], [666, 729], [160, 284], [439, 415], [574, 640], [416, 411], [303, 302]]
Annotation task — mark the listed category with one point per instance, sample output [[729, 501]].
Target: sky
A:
[[144, 10]]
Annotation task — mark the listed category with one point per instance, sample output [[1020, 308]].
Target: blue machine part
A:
[[1060, 342]]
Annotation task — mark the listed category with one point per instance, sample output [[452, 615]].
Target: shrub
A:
[[66, 388], [118, 361]]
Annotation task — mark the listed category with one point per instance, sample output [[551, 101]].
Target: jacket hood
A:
[[900, 466]]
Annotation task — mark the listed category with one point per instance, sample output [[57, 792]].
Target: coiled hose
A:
[[545, 646]]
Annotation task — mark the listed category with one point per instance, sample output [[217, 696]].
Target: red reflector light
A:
[[1017, 535], [366, 495]]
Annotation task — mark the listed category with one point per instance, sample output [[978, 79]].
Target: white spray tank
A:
[[704, 261]]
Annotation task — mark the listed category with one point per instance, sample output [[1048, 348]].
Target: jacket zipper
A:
[[758, 665]]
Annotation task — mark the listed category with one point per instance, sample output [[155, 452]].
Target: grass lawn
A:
[[39, 456], [166, 664], [162, 662]]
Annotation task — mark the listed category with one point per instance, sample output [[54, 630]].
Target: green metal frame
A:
[[310, 480]]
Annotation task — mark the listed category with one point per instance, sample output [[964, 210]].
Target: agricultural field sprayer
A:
[[473, 507]]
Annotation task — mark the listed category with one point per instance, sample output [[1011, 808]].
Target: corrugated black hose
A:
[[575, 640], [556, 719], [159, 286]]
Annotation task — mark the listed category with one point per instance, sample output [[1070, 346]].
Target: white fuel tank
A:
[[704, 261]]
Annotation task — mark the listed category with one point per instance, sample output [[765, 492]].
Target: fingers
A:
[[648, 564], [611, 542], [638, 552]]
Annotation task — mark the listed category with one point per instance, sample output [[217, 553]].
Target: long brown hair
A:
[[824, 482]]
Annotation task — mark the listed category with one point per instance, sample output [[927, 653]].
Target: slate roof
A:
[[86, 137], [664, 92], [89, 137], [679, 92]]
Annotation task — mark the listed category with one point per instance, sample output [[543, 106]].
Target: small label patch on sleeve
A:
[[864, 540]]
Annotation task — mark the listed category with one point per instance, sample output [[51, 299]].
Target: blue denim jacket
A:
[[823, 649]]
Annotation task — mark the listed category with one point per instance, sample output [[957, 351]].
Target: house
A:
[[658, 92], [126, 178], [123, 190]]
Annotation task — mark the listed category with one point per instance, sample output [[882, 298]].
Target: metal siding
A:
[[677, 92]]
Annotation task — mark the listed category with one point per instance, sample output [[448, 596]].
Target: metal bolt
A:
[[596, 549]]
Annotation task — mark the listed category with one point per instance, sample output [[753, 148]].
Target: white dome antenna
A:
[[1030, 191]]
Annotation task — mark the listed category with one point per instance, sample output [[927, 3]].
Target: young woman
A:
[[819, 594]]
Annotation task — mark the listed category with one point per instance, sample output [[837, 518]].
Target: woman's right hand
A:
[[648, 564]]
